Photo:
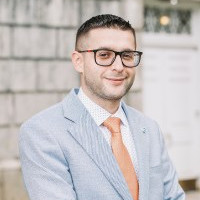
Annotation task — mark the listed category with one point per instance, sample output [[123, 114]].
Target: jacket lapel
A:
[[141, 141], [89, 136]]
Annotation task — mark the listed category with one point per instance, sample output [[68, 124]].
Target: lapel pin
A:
[[144, 130]]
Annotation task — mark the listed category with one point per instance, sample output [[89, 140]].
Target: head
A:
[[102, 21], [108, 32]]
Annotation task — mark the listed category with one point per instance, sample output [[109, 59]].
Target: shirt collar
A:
[[97, 112]]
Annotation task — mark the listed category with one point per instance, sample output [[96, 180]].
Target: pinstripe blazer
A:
[[64, 156]]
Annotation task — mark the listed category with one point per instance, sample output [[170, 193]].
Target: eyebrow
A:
[[108, 48]]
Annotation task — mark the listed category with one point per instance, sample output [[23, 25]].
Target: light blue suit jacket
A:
[[64, 156]]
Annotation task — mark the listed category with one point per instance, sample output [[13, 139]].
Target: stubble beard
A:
[[102, 93]]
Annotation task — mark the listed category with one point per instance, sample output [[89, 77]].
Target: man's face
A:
[[111, 82]]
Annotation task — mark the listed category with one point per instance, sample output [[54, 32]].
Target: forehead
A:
[[115, 39]]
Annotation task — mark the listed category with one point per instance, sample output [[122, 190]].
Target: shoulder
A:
[[139, 116], [46, 124], [45, 116], [143, 122]]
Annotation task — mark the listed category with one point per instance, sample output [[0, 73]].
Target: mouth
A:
[[116, 81]]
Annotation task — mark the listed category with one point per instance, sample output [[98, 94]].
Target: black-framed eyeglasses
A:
[[106, 57]]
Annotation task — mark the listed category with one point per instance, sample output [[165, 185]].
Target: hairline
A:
[[85, 34]]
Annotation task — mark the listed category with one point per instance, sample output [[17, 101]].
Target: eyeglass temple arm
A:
[[86, 51]]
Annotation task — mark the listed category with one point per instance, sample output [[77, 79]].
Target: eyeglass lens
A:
[[107, 57]]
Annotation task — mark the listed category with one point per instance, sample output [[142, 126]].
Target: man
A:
[[92, 146]]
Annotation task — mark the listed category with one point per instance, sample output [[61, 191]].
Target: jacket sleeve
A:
[[45, 170], [172, 189]]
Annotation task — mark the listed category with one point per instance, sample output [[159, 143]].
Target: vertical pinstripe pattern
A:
[[64, 155], [88, 135]]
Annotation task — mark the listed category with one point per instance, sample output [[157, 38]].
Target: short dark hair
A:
[[103, 21]]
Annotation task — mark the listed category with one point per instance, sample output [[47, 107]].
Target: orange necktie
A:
[[122, 156]]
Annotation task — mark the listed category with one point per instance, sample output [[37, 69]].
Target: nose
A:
[[117, 64]]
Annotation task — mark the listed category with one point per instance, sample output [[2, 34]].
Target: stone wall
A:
[[36, 40]]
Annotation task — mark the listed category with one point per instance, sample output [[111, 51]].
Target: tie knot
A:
[[112, 124]]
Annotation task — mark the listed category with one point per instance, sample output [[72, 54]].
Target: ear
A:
[[77, 60]]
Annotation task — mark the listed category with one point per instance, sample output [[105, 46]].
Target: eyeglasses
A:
[[106, 57]]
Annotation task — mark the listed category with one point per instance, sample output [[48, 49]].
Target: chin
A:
[[112, 95]]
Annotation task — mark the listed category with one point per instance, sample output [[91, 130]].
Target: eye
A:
[[104, 54], [128, 55]]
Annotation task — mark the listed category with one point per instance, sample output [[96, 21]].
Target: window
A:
[[171, 21]]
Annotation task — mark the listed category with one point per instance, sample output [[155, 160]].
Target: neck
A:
[[109, 105]]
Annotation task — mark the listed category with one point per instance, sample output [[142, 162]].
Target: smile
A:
[[115, 81]]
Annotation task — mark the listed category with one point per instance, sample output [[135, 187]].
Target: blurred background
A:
[[36, 40]]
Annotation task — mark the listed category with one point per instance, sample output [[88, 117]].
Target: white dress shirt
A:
[[100, 115]]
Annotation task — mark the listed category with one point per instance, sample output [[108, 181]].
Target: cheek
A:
[[93, 71], [87, 69], [131, 72]]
